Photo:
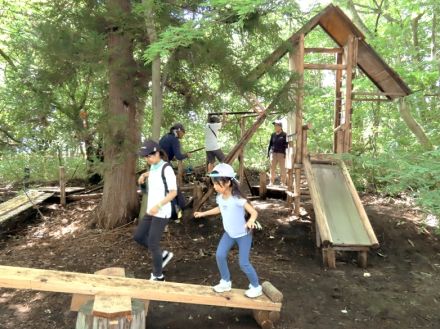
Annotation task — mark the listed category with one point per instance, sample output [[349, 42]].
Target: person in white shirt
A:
[[212, 147], [233, 206], [151, 227]]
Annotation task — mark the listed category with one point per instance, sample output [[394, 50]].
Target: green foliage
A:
[[393, 173], [43, 168]]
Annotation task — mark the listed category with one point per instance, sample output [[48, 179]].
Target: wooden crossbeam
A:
[[103, 285]]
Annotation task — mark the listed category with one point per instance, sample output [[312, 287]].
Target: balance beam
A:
[[105, 285]]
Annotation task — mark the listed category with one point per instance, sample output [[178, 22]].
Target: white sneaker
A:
[[254, 292], [270, 185], [157, 278], [166, 257], [223, 286]]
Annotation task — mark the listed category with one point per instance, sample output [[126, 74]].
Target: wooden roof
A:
[[338, 26]]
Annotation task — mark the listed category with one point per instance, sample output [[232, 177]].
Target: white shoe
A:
[[223, 286], [166, 257], [254, 292], [270, 185], [157, 278]]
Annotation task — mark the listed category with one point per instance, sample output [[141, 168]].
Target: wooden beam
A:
[[325, 67], [92, 284], [372, 100], [323, 50]]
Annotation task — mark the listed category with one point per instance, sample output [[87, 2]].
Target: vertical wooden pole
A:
[[62, 186], [337, 135], [348, 90], [241, 155], [263, 188], [297, 66], [179, 173]]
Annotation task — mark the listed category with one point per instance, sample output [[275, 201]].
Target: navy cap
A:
[[178, 126], [148, 147]]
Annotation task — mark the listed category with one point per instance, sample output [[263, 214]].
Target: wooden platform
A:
[[20, 203], [56, 189]]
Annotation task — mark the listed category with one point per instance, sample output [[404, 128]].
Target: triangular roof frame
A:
[[339, 26]]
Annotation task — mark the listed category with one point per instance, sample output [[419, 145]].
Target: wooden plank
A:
[[92, 284], [21, 203], [56, 189], [312, 66], [323, 50]]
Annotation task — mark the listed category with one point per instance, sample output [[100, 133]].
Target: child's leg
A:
[[141, 234], [225, 244], [244, 248], [154, 236]]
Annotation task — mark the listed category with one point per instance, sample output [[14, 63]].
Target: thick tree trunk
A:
[[156, 75], [120, 203], [413, 125]]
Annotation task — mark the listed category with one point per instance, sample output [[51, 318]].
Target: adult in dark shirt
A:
[[277, 153], [170, 143]]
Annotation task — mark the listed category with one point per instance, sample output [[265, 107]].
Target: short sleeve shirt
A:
[[232, 210], [156, 189], [211, 140]]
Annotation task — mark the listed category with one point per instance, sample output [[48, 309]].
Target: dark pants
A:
[[148, 233]]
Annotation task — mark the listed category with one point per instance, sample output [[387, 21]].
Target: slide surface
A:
[[337, 203]]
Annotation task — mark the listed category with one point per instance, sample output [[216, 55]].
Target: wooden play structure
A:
[[341, 222], [119, 300], [21, 203]]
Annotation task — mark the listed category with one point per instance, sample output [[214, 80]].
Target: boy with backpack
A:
[[162, 190]]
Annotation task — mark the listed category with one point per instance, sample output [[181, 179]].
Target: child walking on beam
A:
[[151, 227], [232, 206]]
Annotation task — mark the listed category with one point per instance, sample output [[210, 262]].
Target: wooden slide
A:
[[341, 220]]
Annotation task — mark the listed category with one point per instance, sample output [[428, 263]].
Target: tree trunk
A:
[[120, 203], [413, 125], [156, 75]]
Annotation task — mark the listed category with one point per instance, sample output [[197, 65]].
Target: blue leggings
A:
[[244, 247]]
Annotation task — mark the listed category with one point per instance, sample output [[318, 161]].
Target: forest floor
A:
[[401, 289]]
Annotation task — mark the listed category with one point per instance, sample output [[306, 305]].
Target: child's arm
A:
[[254, 214], [213, 211]]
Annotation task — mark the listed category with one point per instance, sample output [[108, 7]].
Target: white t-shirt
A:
[[232, 210], [156, 189], [211, 141]]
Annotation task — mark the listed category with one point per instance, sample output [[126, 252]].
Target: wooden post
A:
[[86, 319], [348, 89], [62, 186], [337, 140], [263, 189], [296, 61], [241, 155], [267, 319], [197, 195], [179, 173]]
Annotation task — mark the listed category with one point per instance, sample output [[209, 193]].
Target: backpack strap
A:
[[212, 131], [163, 177]]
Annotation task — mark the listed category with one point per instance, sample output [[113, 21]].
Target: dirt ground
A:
[[402, 289]]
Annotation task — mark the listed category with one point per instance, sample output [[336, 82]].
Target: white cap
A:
[[222, 170]]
